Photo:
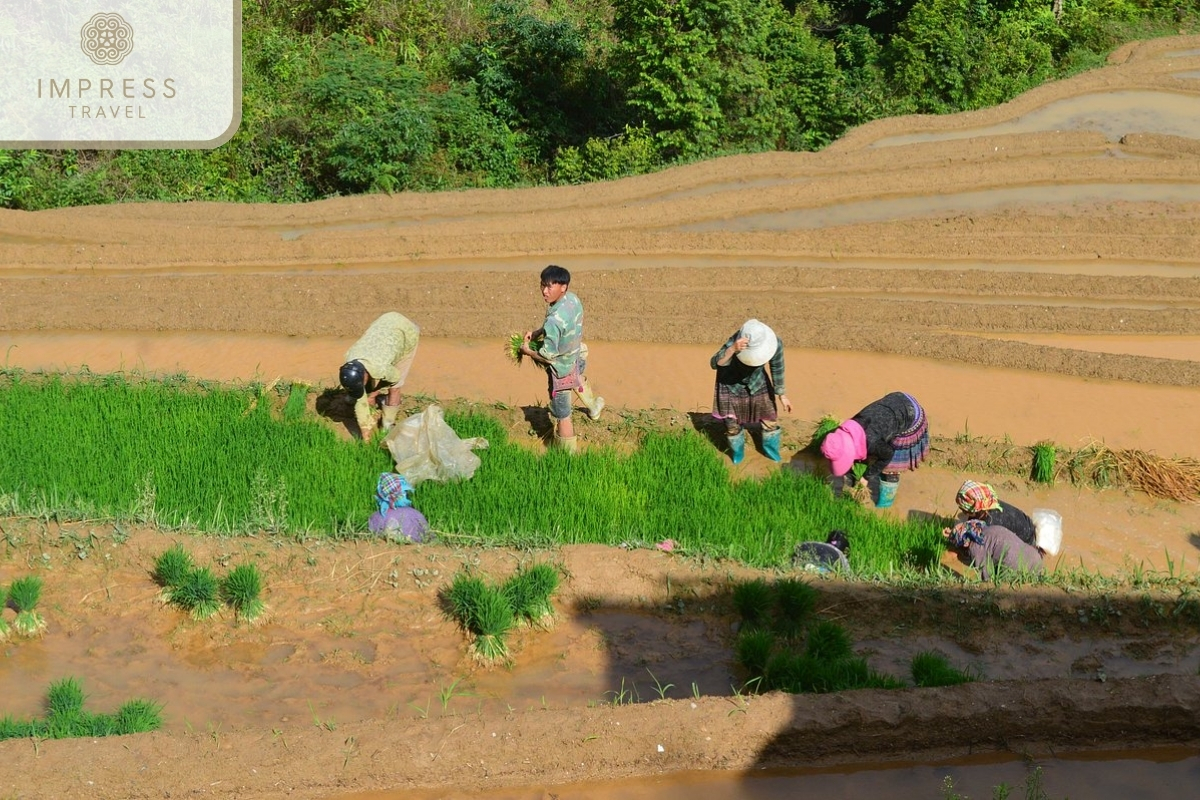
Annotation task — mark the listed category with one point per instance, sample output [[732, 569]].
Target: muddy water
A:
[[977, 202], [1160, 774], [272, 678], [1063, 409], [1112, 113]]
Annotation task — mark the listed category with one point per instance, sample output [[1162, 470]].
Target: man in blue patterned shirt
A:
[[563, 354]]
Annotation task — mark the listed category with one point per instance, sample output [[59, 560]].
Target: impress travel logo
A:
[[126, 74]]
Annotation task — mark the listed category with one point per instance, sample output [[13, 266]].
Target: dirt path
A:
[[1032, 270]]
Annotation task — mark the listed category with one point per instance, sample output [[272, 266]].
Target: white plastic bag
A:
[[424, 447], [1047, 524]]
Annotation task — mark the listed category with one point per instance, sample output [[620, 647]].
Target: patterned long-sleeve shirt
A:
[[564, 334], [746, 380], [388, 341]]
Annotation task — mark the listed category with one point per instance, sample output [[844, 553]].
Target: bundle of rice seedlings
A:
[[789, 672], [529, 591], [1045, 456], [11, 728], [795, 602], [198, 593], [64, 708], [23, 596], [930, 668], [138, 716], [462, 599], [512, 347], [753, 601], [493, 621], [754, 648], [241, 589], [826, 424], [849, 673], [170, 570], [828, 641]]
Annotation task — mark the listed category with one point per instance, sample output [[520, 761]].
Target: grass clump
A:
[[242, 589], [66, 717], [23, 596], [930, 668]]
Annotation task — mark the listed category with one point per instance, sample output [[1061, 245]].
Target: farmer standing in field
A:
[[563, 354], [890, 435], [749, 379], [378, 363]]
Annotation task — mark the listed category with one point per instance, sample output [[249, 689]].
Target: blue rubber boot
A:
[[737, 446], [771, 444]]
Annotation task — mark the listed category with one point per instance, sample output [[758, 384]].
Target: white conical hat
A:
[[762, 345]]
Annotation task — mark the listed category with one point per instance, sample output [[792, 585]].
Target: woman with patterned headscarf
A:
[[993, 548], [979, 502]]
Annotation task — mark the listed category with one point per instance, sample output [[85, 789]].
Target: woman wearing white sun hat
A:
[[749, 379]]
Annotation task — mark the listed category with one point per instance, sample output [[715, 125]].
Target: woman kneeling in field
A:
[[994, 549]]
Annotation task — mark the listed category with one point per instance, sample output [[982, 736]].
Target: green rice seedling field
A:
[[674, 486], [185, 454], [177, 453]]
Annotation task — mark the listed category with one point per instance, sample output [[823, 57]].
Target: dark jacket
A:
[[1013, 518], [883, 421]]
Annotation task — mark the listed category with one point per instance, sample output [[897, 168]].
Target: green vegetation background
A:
[[349, 96]]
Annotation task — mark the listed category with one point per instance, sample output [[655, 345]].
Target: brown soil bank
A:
[[357, 681], [1004, 239]]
